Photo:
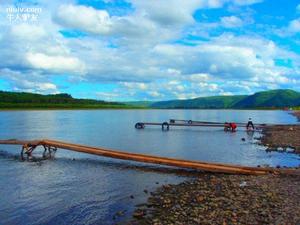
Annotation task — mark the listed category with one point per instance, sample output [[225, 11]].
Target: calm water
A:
[[78, 188]]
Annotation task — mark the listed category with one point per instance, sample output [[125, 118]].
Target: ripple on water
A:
[[90, 189]]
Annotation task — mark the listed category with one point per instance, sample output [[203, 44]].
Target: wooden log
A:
[[205, 166], [212, 167], [21, 142]]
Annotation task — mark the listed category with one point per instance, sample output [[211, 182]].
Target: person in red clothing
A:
[[230, 127], [233, 127]]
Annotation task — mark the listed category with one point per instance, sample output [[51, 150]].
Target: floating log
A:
[[188, 164]]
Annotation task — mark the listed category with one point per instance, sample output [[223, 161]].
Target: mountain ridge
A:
[[279, 98]]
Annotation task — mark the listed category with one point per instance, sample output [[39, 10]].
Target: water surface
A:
[[77, 188]]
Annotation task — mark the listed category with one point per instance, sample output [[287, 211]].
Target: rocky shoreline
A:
[[282, 137], [297, 114], [230, 199], [224, 199]]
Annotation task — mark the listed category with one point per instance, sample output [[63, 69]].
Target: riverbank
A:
[[282, 137], [297, 114], [224, 199], [230, 199]]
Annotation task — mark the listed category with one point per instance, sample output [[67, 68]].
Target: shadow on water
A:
[[8, 155], [116, 165]]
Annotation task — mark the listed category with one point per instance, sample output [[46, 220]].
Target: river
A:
[[77, 188]]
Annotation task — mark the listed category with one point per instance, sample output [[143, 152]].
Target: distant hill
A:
[[266, 99], [274, 98], [30, 100], [140, 103], [214, 102]]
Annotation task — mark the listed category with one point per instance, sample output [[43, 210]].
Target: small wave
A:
[[8, 155]]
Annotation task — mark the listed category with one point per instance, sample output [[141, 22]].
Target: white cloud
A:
[[231, 22], [294, 26], [182, 96], [55, 63], [159, 11], [107, 96], [28, 82], [31, 86], [84, 18], [172, 69], [155, 94], [33, 47], [150, 20], [141, 53], [246, 2], [134, 85], [298, 8], [29, 32], [199, 77]]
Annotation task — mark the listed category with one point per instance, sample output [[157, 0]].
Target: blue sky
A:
[[149, 50]]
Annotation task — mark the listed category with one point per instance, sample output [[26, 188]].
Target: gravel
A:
[[224, 199]]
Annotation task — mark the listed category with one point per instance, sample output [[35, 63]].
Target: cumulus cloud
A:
[[143, 52], [159, 11], [199, 77], [29, 81], [294, 26], [84, 18], [180, 69], [149, 17], [31, 46], [55, 63], [108, 96], [135, 85], [246, 2], [231, 22], [28, 32]]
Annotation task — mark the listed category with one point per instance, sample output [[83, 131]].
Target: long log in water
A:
[[211, 167]]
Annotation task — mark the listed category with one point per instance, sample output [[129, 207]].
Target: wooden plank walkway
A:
[[183, 124], [216, 123], [193, 123], [188, 164]]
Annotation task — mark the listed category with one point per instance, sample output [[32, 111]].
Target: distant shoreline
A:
[[281, 99], [126, 107]]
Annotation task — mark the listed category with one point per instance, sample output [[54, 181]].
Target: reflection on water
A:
[[91, 189]]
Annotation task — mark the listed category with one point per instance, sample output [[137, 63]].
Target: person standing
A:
[[250, 124]]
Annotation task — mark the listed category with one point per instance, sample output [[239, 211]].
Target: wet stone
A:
[[264, 200]]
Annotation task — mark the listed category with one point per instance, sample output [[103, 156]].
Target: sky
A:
[[138, 50]]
